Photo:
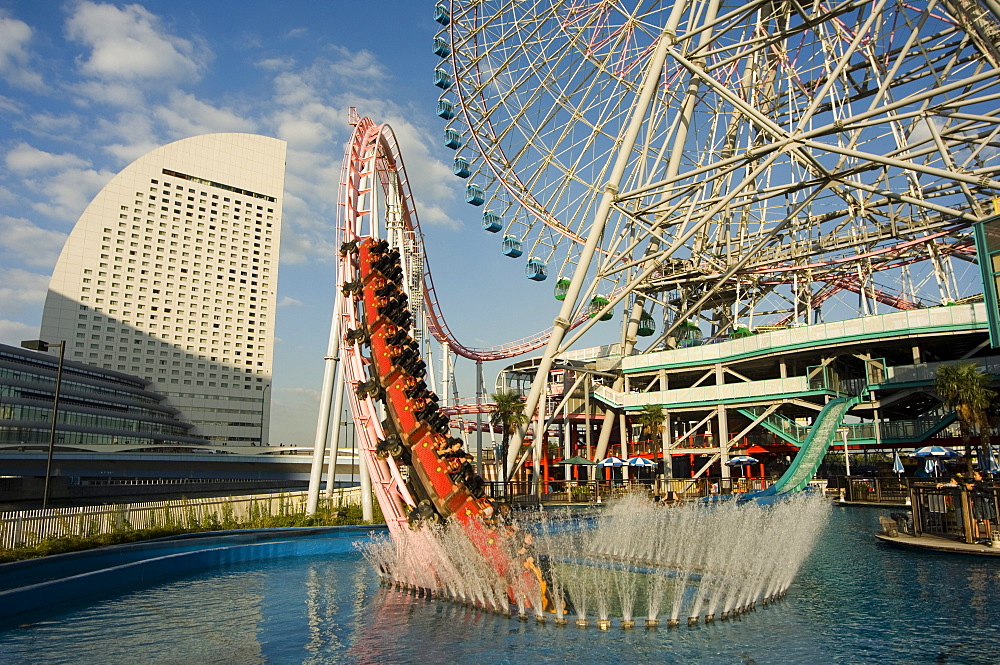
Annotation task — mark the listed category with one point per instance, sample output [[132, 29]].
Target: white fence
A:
[[25, 528]]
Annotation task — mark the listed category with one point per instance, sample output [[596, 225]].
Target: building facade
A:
[[171, 275], [99, 409]]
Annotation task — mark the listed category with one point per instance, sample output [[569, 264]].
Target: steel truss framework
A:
[[789, 151], [727, 163]]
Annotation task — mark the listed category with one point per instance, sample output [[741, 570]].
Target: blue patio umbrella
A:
[[611, 462], [897, 464], [741, 460], [939, 452], [641, 462]]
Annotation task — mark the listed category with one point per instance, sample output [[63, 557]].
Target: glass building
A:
[[99, 409]]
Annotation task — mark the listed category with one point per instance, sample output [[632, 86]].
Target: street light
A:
[[843, 431], [39, 345]]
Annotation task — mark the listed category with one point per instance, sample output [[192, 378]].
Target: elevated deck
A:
[[882, 328]]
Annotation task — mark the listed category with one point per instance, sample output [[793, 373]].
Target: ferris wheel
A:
[[719, 165]]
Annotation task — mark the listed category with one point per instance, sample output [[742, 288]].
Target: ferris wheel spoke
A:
[[790, 140]]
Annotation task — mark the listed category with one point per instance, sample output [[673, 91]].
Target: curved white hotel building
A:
[[171, 275]]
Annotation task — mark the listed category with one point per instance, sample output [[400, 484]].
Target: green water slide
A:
[[810, 455]]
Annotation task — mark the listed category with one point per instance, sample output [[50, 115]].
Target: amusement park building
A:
[[763, 394], [170, 274]]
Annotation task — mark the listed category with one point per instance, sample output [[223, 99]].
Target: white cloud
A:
[[309, 126], [185, 115], [30, 244], [67, 193], [434, 215], [288, 301], [52, 125], [24, 158], [14, 56], [360, 67], [129, 43], [14, 331], [276, 64], [114, 93], [20, 289], [10, 105]]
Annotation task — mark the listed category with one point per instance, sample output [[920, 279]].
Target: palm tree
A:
[[965, 388], [507, 411], [650, 418]]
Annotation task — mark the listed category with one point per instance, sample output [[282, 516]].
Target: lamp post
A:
[[39, 345], [263, 408], [847, 459]]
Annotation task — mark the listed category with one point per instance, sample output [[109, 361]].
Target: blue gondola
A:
[[442, 79], [452, 139], [511, 247], [491, 221], [445, 109], [461, 167], [441, 14], [441, 48], [535, 270], [474, 194]]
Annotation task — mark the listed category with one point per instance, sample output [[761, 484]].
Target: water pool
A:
[[855, 601]]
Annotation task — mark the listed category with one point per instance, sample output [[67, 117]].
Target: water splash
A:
[[694, 562]]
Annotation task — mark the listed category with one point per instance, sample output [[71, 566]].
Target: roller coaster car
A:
[[423, 512], [355, 335], [369, 388], [391, 446], [351, 289], [426, 411], [388, 260], [398, 338], [420, 392], [379, 247], [387, 290], [393, 307]]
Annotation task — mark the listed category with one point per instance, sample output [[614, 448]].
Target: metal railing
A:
[[524, 493], [25, 528], [953, 512], [875, 490]]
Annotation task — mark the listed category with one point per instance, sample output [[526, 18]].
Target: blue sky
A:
[[87, 87]]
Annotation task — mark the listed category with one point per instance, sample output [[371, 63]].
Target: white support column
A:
[[367, 509], [623, 433], [331, 359], [479, 417], [539, 444], [338, 408], [723, 421]]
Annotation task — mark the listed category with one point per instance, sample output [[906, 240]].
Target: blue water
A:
[[855, 601]]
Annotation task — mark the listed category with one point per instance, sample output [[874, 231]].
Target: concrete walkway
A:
[[937, 544]]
